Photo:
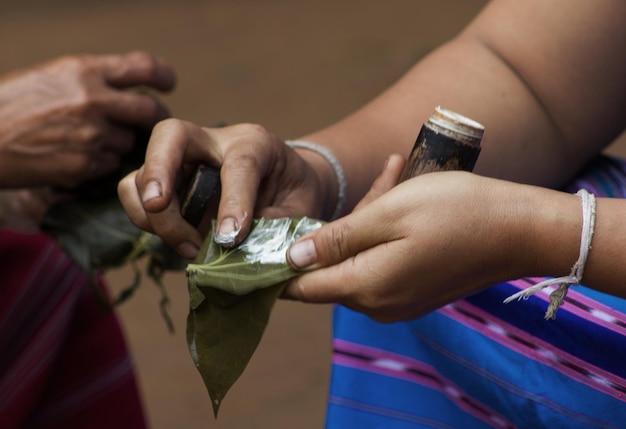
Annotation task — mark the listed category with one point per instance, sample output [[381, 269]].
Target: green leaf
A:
[[232, 292], [95, 231]]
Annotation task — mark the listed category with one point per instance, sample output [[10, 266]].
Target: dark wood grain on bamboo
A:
[[447, 141]]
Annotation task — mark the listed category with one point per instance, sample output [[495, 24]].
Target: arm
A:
[[70, 120], [541, 76], [545, 78], [419, 254]]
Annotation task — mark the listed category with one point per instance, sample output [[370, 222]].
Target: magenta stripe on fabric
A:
[[393, 365], [512, 388], [543, 352], [12, 313], [39, 353], [38, 321], [396, 415], [596, 313]]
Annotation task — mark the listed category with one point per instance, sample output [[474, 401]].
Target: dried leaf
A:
[[95, 231], [98, 236], [231, 295]]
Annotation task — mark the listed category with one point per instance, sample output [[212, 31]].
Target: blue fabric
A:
[[479, 363]]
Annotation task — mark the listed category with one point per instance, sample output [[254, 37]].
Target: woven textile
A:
[[63, 360], [478, 363]]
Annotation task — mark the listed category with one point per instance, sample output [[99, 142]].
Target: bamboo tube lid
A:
[[456, 126]]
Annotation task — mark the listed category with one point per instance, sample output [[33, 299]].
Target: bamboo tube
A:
[[447, 141], [203, 185]]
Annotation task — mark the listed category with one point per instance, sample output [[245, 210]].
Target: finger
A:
[[172, 143], [323, 286], [167, 224], [170, 226], [133, 108], [245, 163], [354, 282], [337, 241], [131, 202], [137, 68], [388, 178]]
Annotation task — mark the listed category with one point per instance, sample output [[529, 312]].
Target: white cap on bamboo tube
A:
[[456, 126]]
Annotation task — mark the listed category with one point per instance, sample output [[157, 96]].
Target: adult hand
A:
[[70, 120], [427, 242], [260, 176], [24, 209]]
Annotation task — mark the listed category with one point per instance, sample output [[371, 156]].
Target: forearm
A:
[[538, 233], [541, 107]]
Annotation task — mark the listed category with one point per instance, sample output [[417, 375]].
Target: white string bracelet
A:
[[557, 296], [342, 184]]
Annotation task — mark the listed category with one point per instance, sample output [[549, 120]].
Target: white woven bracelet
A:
[[342, 184], [557, 296]]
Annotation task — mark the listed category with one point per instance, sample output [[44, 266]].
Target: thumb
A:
[[344, 238], [333, 243], [329, 255]]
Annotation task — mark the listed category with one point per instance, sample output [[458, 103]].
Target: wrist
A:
[[555, 225], [329, 173], [536, 231], [565, 228]]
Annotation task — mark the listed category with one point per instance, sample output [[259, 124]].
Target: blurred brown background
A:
[[292, 66]]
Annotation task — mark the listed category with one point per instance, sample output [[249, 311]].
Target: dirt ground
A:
[[291, 65]]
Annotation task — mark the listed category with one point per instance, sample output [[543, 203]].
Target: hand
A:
[[260, 176], [425, 243], [24, 209], [70, 120]]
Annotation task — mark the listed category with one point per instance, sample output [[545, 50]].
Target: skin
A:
[[546, 80], [419, 254], [70, 120]]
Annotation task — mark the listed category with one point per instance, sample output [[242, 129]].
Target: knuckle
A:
[[255, 130], [142, 57], [80, 66], [92, 134], [248, 143], [229, 203], [145, 63], [254, 133], [243, 162], [82, 100], [337, 242], [170, 125], [167, 231], [75, 62]]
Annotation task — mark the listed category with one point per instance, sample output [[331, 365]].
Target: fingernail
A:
[[227, 232], [302, 254], [153, 190], [187, 250]]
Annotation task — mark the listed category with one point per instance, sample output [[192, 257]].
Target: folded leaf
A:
[[231, 295]]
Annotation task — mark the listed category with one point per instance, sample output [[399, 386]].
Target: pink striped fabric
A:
[[63, 360]]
